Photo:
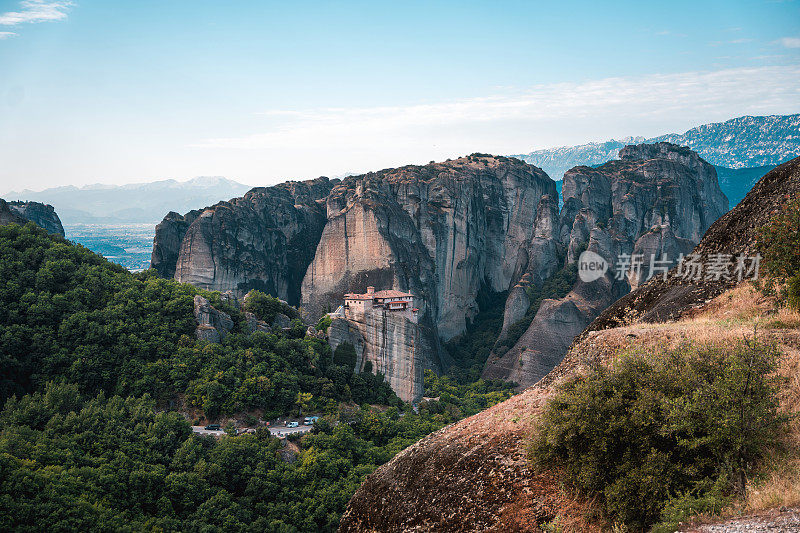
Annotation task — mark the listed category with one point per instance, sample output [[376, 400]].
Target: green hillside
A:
[[96, 359]]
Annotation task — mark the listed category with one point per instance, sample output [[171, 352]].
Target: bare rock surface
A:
[[42, 215], [734, 233], [212, 325], [263, 240], [396, 346], [657, 199], [440, 231], [773, 521]]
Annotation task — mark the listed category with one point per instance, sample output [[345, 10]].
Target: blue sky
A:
[[117, 92]]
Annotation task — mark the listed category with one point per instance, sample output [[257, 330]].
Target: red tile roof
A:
[[391, 293], [386, 294]]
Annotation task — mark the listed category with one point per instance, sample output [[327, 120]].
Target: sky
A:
[[261, 92]]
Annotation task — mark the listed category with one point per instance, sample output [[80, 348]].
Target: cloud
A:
[[790, 42], [6, 34], [32, 11], [509, 121]]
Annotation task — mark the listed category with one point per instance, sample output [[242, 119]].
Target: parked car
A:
[[292, 424], [212, 427], [309, 420]]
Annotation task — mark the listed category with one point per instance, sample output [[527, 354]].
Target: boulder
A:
[[212, 325]]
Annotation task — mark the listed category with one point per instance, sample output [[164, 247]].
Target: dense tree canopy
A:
[[95, 363]]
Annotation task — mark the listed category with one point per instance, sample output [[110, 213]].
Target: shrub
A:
[[266, 307], [324, 323], [680, 422], [779, 244]]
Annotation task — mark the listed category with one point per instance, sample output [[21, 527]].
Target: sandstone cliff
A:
[[440, 231], [263, 240], [42, 215], [655, 200], [395, 344], [734, 234]]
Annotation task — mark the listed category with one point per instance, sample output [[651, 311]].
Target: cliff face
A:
[[439, 231], [40, 214], [656, 200], [734, 233], [263, 240], [444, 231], [397, 346]]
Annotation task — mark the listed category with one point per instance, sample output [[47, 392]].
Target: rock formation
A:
[[475, 476], [212, 325], [445, 231], [656, 200], [733, 234], [42, 215], [395, 344], [440, 231], [263, 240]]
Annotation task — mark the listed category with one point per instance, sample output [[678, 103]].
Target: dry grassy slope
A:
[[474, 475]]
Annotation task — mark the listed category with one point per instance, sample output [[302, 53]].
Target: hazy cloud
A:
[[32, 11], [790, 42], [512, 121], [6, 34]]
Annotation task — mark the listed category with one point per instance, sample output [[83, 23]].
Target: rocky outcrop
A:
[[263, 240], [397, 346], [733, 234], [254, 324], [656, 200], [212, 325], [167, 242], [42, 215], [440, 231]]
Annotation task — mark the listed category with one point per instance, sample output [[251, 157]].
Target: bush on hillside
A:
[[267, 307], [779, 244], [657, 435]]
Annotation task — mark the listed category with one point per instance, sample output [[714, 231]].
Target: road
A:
[[277, 431]]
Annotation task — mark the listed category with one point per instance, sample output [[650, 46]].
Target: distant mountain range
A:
[[739, 143], [133, 203]]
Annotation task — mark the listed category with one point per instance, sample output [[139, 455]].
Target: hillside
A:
[[742, 142], [476, 474], [103, 371]]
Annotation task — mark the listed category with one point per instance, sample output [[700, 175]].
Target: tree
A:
[[303, 400]]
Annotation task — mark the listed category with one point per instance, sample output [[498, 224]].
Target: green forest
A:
[[99, 367]]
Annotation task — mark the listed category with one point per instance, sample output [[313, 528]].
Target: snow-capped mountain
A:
[[741, 142]]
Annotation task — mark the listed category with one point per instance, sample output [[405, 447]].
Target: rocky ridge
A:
[[656, 200], [741, 142], [444, 232], [42, 215]]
